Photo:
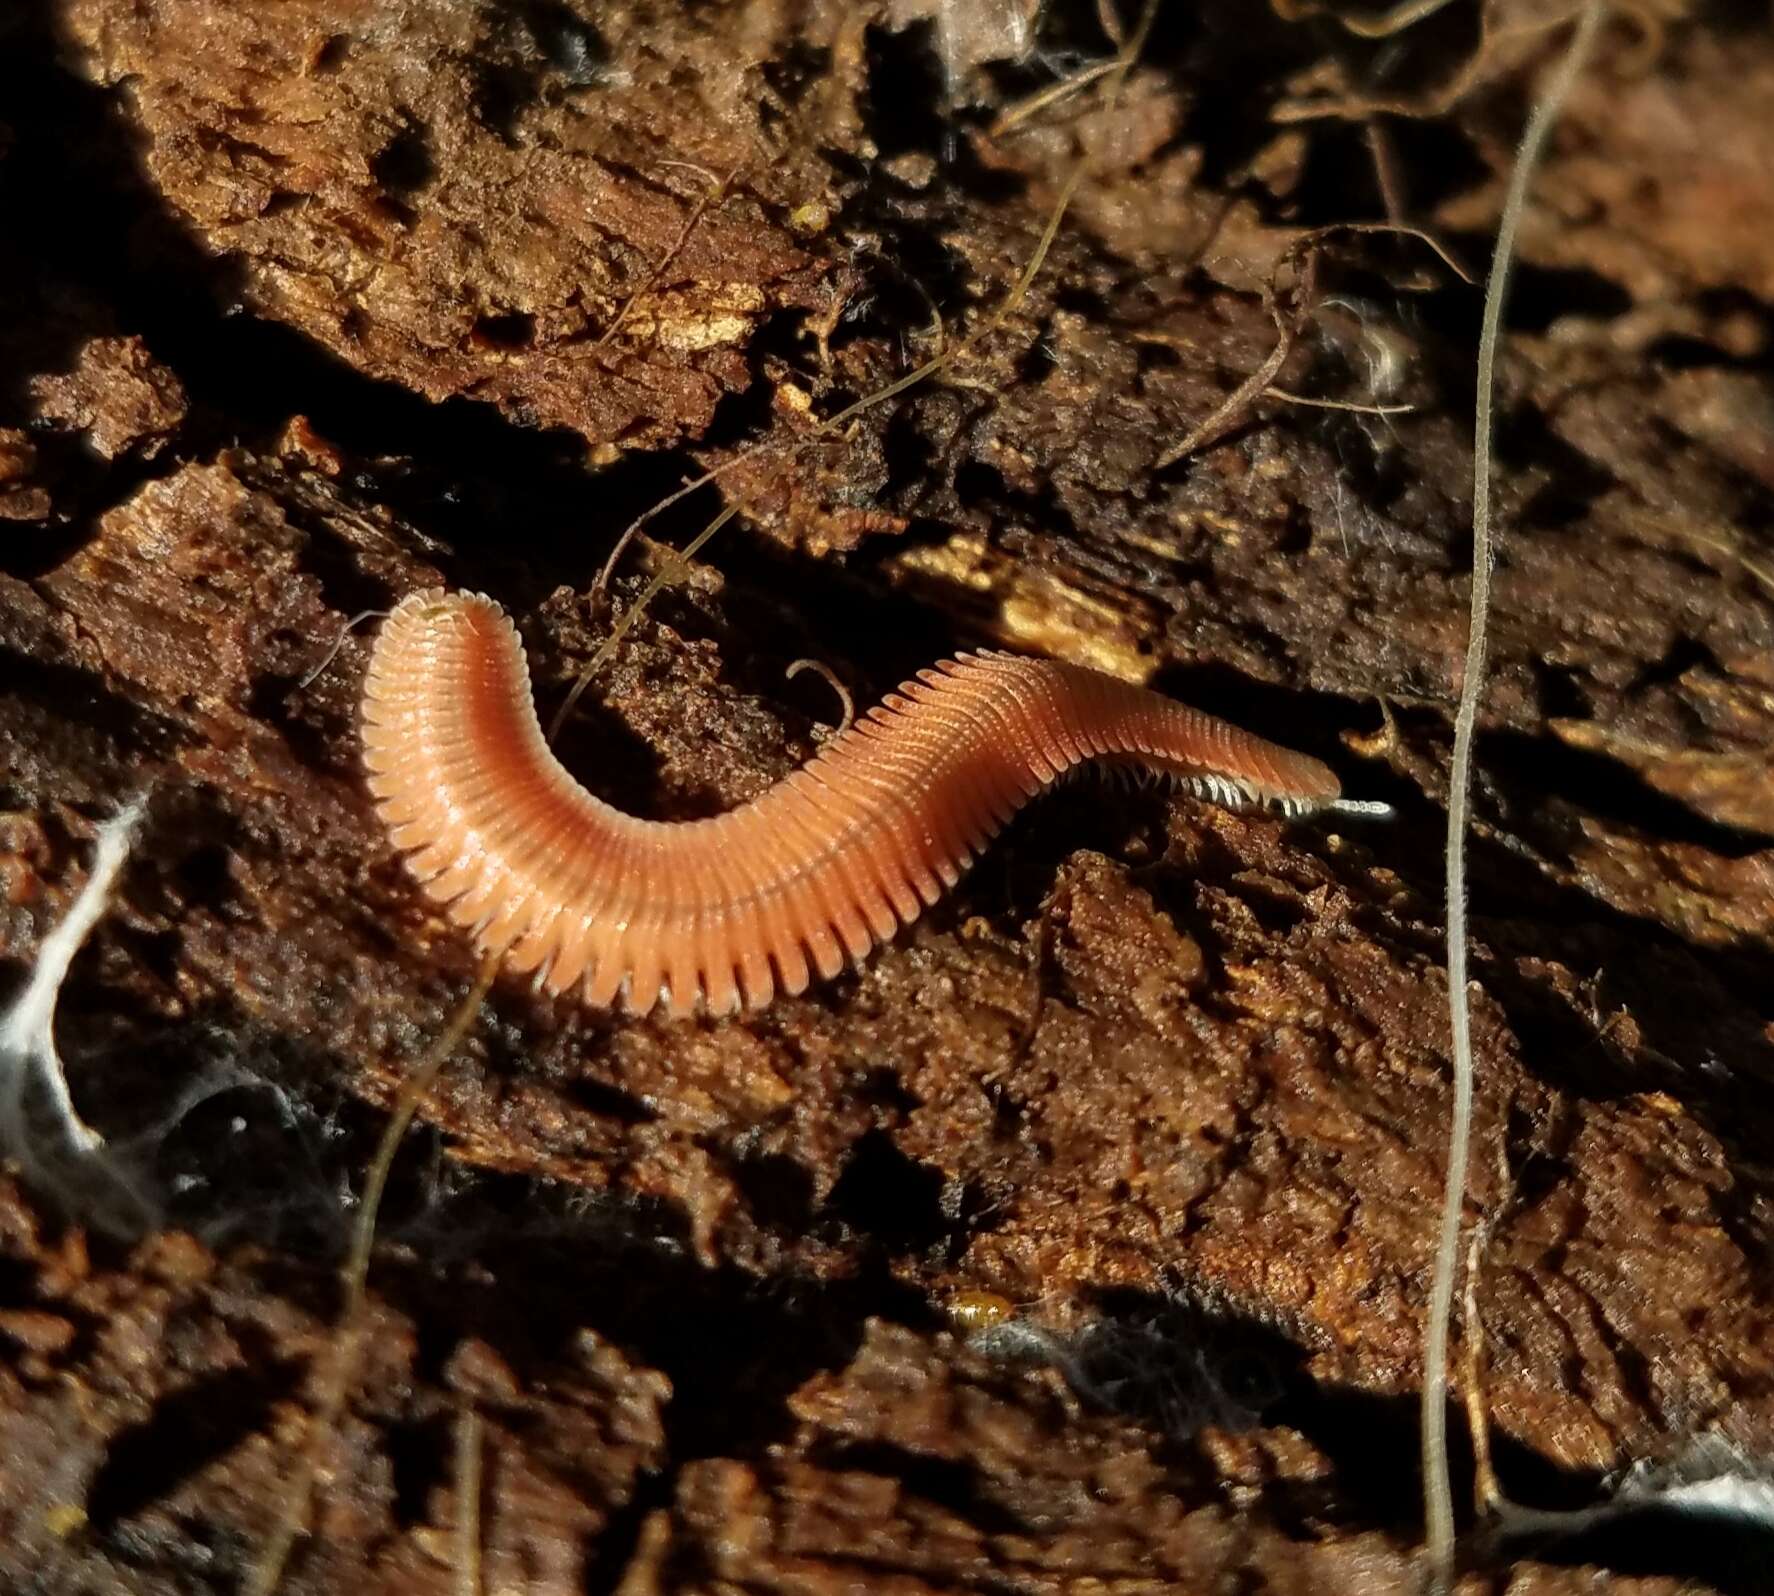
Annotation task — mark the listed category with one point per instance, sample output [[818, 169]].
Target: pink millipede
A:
[[807, 876]]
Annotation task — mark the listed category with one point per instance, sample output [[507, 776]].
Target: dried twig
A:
[[340, 1365], [1382, 25], [1232, 409], [1388, 176], [1486, 1490], [846, 704], [1439, 101], [1725, 546], [1302, 256], [309, 679], [468, 1488], [1354, 406], [717, 188], [1438, 1509], [1013, 116]]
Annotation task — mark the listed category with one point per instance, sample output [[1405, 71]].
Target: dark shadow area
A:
[[87, 711], [892, 1200], [549, 52], [1373, 1443], [906, 106], [186, 1432], [1522, 770], [734, 1345], [955, 1486], [1725, 1552]]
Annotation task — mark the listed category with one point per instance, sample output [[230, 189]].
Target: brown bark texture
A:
[[1080, 1240]]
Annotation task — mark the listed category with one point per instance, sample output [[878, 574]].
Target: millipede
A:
[[809, 876]]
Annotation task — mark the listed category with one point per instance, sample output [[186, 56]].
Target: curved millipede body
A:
[[809, 875]]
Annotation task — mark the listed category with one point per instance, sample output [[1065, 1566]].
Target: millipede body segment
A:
[[806, 877]]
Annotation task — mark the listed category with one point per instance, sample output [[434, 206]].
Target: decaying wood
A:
[[361, 299]]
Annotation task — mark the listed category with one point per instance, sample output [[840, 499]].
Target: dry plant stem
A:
[[1356, 108], [1407, 14], [468, 1477], [716, 188], [1402, 229], [675, 567], [340, 1366], [678, 562], [1302, 253], [846, 704], [1725, 546], [338, 643], [1355, 407], [1488, 1493], [1015, 115], [1438, 1509], [1387, 175], [1232, 409]]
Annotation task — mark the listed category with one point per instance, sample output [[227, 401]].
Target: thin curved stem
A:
[[1438, 1506], [340, 1359]]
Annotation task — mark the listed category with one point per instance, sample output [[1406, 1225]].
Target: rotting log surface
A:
[[1169, 1080]]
